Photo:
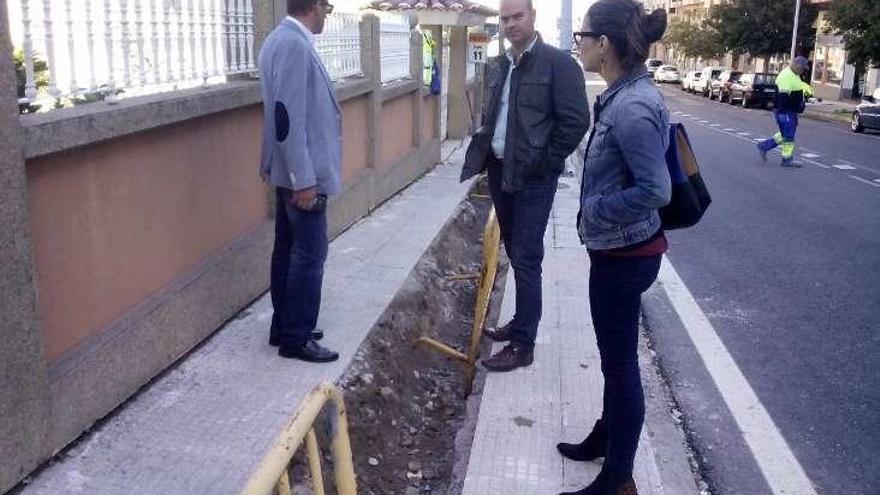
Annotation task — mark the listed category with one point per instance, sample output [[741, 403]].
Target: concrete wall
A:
[[151, 227]]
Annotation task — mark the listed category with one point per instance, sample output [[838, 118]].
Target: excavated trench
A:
[[410, 423]]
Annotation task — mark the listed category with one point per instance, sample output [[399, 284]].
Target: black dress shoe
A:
[[591, 448], [311, 352], [500, 334], [275, 339]]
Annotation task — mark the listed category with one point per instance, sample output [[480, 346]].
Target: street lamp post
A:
[[797, 16]]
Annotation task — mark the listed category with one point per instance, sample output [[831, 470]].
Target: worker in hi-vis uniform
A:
[[791, 95]]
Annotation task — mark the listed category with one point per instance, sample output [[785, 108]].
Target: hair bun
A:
[[655, 25]]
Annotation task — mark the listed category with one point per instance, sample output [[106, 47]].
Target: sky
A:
[[548, 12]]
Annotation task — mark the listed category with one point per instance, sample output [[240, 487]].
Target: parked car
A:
[[687, 84], [754, 89], [867, 115], [720, 88], [653, 64], [667, 74], [707, 75]]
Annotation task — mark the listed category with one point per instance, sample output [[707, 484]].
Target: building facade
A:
[[834, 78]]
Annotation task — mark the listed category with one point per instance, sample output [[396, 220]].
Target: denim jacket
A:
[[625, 178]]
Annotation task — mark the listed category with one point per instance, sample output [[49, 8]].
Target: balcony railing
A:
[[72, 49], [395, 45], [340, 46]]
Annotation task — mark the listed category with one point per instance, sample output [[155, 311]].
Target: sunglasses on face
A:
[[328, 7], [581, 35]]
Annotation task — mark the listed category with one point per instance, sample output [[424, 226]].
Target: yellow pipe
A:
[[275, 463], [341, 446], [283, 486], [443, 348], [315, 463]]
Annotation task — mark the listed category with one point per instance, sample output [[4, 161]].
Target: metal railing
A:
[[340, 46], [272, 474], [88, 48], [395, 45], [491, 246]]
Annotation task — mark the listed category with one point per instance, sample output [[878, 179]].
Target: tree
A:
[[41, 78], [761, 28], [694, 40], [858, 21]]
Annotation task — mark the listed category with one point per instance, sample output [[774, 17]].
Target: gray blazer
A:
[[302, 123]]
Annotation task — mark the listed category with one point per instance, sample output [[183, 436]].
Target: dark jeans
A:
[[616, 287], [522, 217], [297, 270]]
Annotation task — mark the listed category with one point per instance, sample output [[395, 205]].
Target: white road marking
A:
[[743, 134], [865, 181], [704, 121], [810, 155], [778, 463], [877, 180], [758, 140], [814, 162], [730, 130], [844, 167], [715, 125]]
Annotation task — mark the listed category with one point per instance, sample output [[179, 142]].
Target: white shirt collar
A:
[[309, 35], [527, 50]]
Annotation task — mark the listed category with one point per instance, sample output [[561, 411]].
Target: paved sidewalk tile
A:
[[524, 413], [205, 425]]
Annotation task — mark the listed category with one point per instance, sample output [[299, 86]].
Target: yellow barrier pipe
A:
[[283, 486], [442, 348], [315, 463], [341, 445], [275, 463]]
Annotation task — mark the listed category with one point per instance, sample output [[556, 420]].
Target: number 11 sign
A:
[[477, 45]]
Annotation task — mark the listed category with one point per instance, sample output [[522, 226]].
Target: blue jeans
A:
[[297, 270], [522, 217], [616, 287]]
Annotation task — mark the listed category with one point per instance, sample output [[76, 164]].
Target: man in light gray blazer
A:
[[302, 158]]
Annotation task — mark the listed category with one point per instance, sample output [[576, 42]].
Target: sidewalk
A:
[[831, 110], [526, 412], [205, 425]]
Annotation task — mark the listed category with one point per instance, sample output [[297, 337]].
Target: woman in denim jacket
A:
[[625, 181]]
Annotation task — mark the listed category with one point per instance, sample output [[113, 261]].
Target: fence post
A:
[[24, 382], [265, 20], [459, 110], [437, 35], [416, 72], [371, 63]]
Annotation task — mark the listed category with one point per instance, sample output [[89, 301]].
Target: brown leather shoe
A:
[[513, 356], [500, 334], [628, 488]]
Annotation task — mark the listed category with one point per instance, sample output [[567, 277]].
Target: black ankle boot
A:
[[591, 448], [604, 485]]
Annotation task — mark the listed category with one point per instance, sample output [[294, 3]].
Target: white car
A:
[[687, 84], [652, 64], [704, 83], [667, 74]]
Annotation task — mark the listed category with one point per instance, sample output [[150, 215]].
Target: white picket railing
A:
[[395, 45], [340, 46], [129, 47]]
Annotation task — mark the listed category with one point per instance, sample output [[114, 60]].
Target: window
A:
[[830, 62]]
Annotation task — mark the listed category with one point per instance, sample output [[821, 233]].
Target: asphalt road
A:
[[786, 266]]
